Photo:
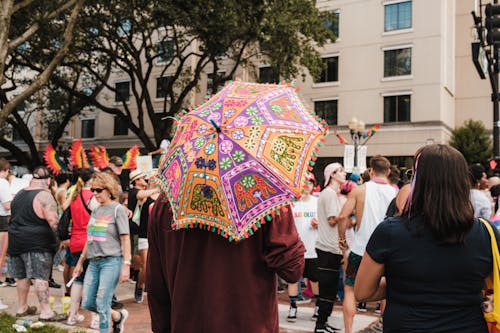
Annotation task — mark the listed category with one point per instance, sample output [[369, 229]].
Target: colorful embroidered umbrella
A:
[[239, 157]]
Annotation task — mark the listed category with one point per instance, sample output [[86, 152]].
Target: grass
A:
[[7, 320]]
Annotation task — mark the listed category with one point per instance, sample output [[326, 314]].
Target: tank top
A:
[[377, 199], [28, 232]]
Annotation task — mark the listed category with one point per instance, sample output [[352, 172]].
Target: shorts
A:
[[4, 223], [74, 257], [311, 270], [31, 265], [71, 258], [143, 244], [351, 271]]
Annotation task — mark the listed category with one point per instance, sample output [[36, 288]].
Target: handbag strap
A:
[[85, 204], [495, 315]]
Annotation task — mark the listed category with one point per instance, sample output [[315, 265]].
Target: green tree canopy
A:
[[473, 141]]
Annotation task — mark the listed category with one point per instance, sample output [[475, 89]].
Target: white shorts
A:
[[143, 244]]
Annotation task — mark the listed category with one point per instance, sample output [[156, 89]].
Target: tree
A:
[[34, 25], [186, 37], [473, 141]]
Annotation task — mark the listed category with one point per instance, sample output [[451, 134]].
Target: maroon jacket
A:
[[199, 282]]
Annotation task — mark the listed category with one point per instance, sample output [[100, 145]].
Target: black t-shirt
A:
[[143, 227], [431, 287]]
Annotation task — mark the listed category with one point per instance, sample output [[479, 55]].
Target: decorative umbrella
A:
[[239, 157]]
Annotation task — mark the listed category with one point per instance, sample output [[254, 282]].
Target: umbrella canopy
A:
[[239, 157]]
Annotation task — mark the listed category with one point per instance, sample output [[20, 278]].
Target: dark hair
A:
[[441, 193], [62, 178], [4, 164], [380, 164], [366, 176], [476, 172], [394, 176]]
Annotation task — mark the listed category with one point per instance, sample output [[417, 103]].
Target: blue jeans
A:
[[100, 282]]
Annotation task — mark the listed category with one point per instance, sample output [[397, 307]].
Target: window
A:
[[397, 62], [267, 75], [327, 110], [397, 108], [165, 50], [397, 16], [121, 127], [88, 128], [331, 71], [162, 86], [122, 93], [333, 26], [210, 80]]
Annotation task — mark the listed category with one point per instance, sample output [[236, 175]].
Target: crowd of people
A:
[[88, 222], [415, 244]]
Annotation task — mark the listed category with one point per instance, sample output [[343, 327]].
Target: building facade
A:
[[402, 64]]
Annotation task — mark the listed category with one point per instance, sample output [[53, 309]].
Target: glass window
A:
[[88, 128], [331, 71], [397, 62], [333, 26], [120, 127], [162, 86], [397, 109], [122, 93], [210, 80], [397, 16], [165, 50], [267, 75], [327, 110]]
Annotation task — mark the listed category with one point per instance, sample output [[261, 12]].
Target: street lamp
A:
[[356, 128]]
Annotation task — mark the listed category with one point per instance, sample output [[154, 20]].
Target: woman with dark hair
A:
[[431, 263]]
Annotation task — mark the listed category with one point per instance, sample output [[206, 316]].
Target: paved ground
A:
[[139, 320]]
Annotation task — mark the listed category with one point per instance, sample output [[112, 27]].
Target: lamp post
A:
[[356, 128]]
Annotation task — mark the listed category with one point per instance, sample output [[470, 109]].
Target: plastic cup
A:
[[66, 302]]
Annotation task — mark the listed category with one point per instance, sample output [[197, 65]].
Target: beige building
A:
[[405, 65]]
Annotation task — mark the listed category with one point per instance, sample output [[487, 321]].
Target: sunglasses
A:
[[97, 189]]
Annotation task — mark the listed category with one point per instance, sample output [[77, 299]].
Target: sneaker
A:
[[60, 268], [76, 319], [292, 315], [361, 307], [378, 327], [281, 289], [138, 295], [118, 326], [94, 323], [54, 284], [116, 305], [315, 314], [325, 329], [4, 284], [377, 310], [11, 282], [303, 300]]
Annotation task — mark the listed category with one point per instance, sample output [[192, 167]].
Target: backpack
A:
[[64, 226]]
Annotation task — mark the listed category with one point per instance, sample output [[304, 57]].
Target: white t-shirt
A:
[[303, 213], [5, 196], [164, 144], [328, 237]]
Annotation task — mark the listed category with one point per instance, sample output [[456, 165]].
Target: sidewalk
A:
[[139, 320]]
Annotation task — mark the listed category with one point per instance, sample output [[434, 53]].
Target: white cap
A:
[[331, 168]]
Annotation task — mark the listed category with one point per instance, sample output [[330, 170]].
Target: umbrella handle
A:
[[217, 127]]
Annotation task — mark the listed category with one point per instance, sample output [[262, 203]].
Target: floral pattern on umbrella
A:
[[239, 157]]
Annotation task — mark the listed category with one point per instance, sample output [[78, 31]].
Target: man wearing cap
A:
[[32, 243], [138, 202], [327, 245]]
